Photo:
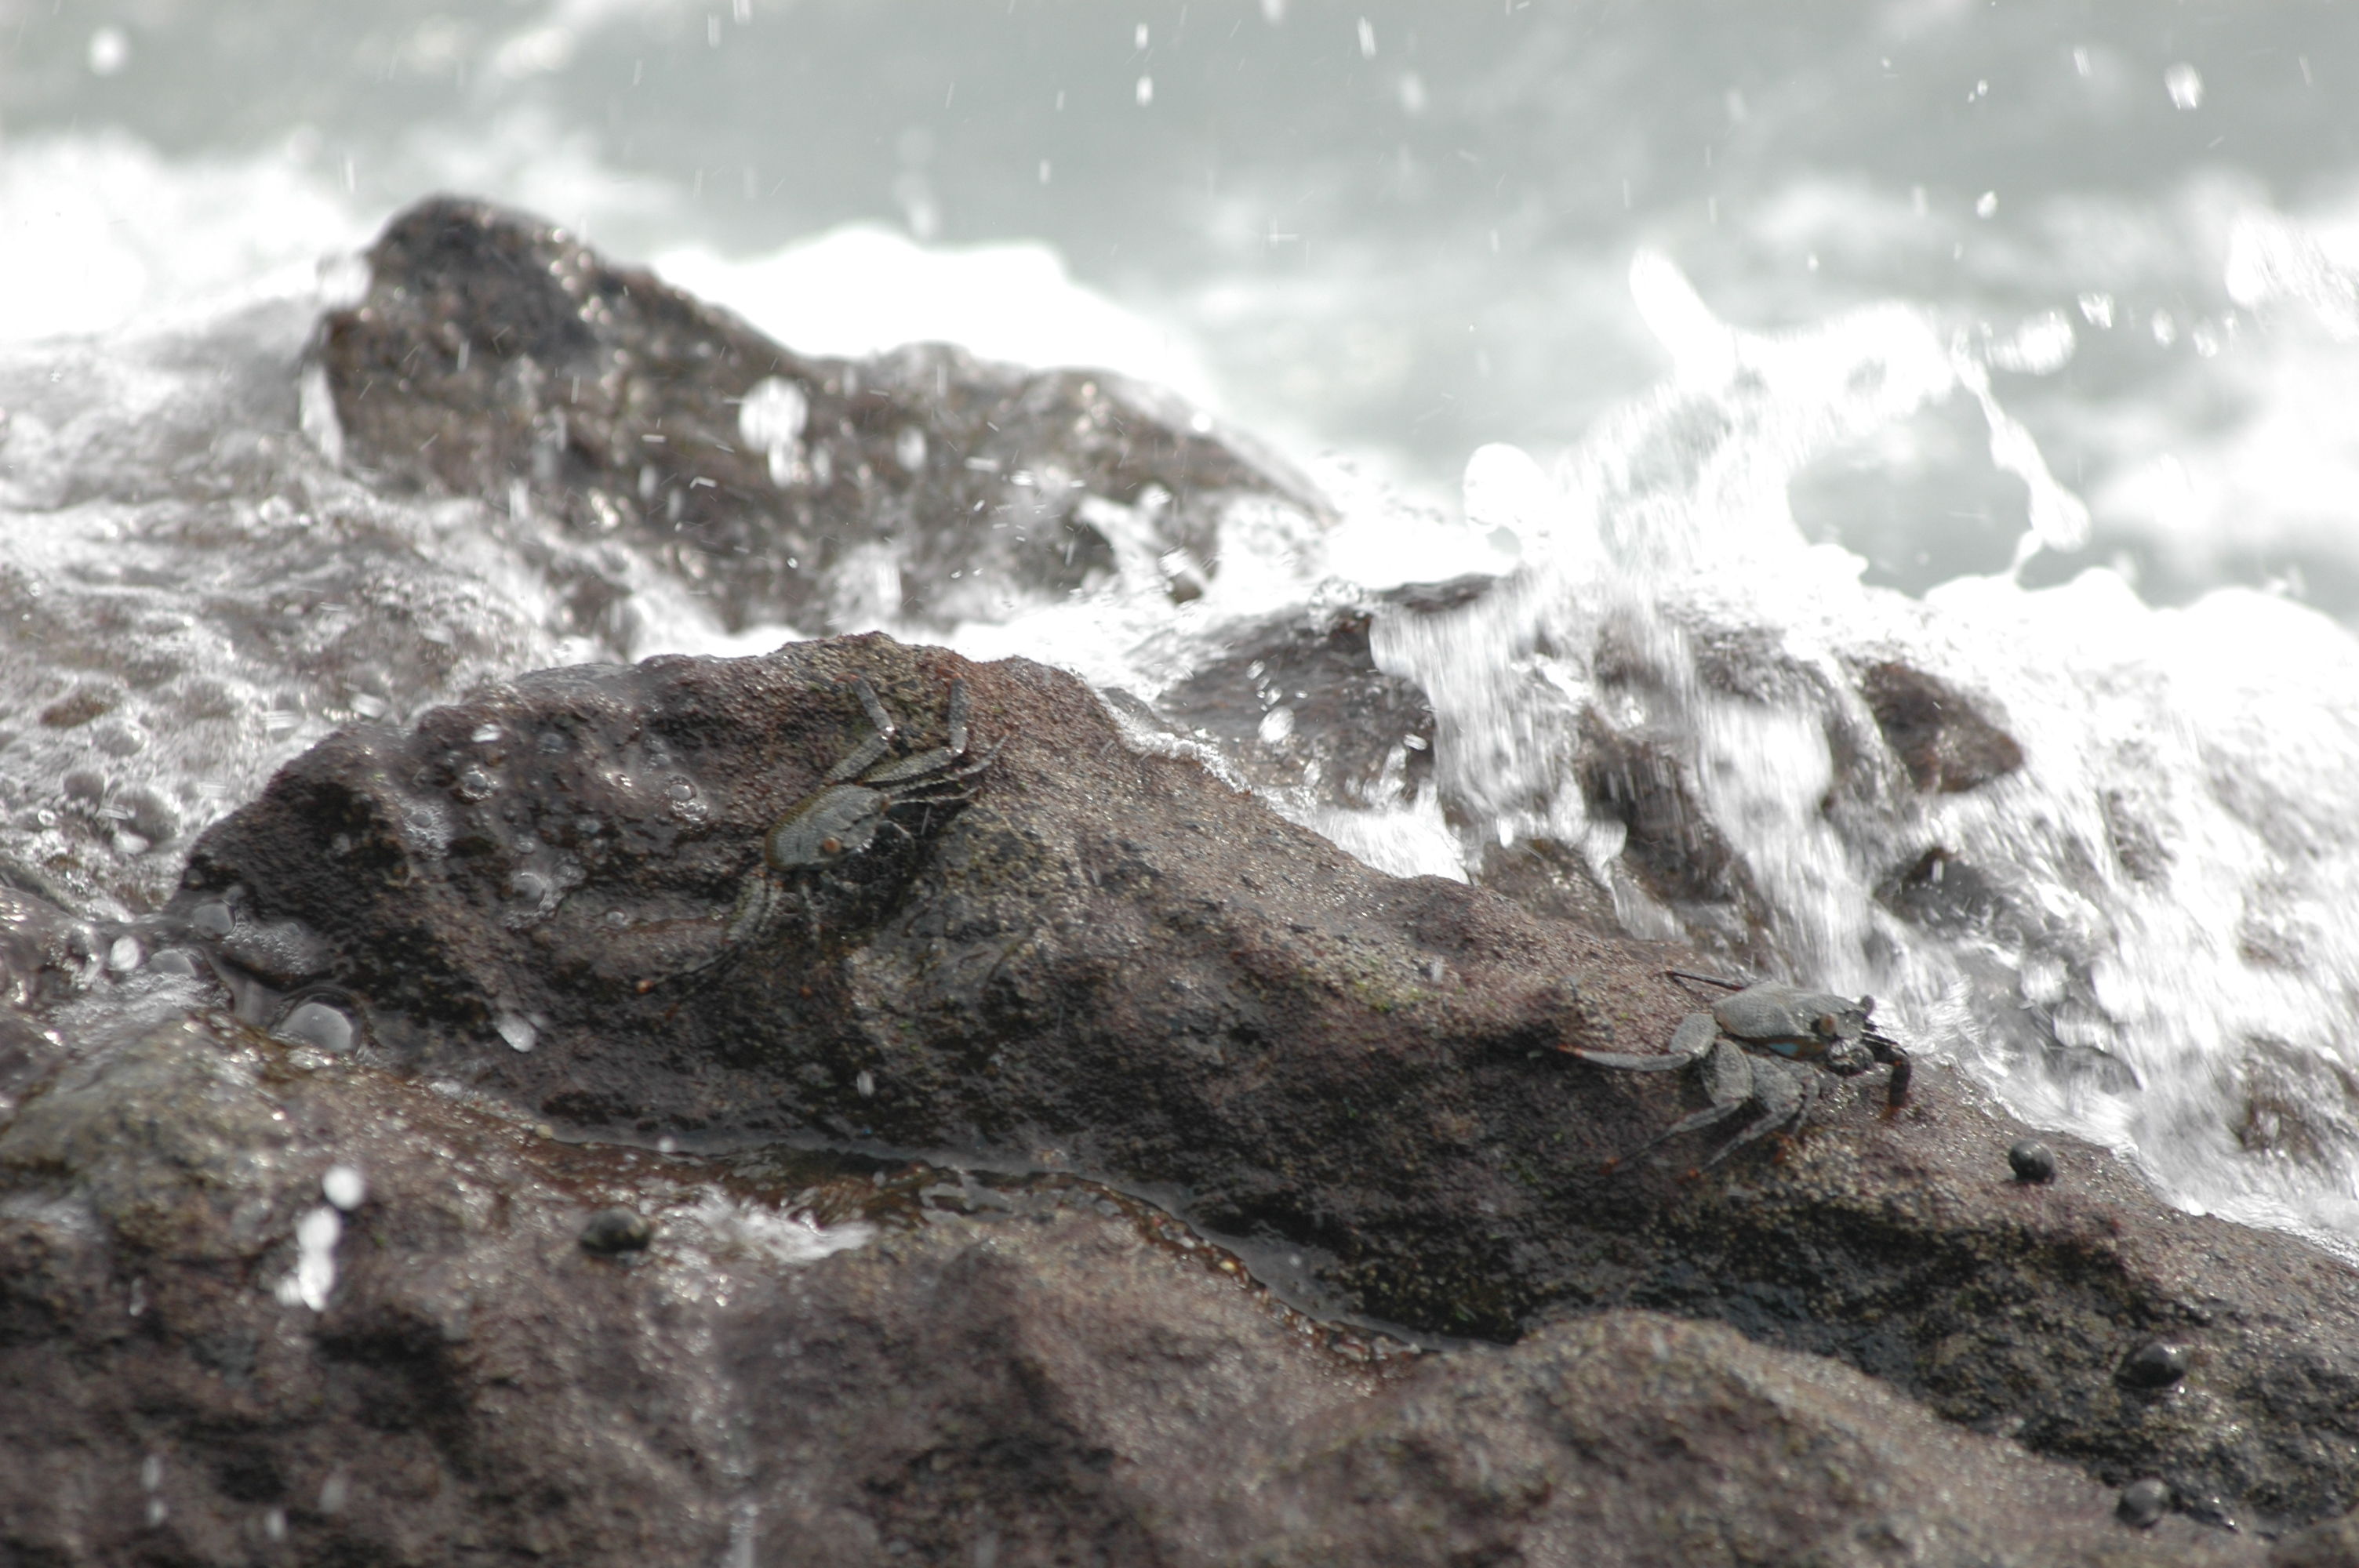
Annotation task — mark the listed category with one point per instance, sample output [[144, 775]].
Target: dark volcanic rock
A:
[[496, 356], [1108, 960], [1113, 963], [2334, 1544], [204, 1364], [1943, 738], [2031, 1161], [1297, 703], [1672, 848]]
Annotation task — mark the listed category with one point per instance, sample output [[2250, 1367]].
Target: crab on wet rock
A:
[[1751, 1045], [863, 797]]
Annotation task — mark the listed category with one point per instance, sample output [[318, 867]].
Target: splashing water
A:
[[2142, 933], [2136, 932]]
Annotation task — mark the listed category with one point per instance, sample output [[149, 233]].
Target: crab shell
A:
[[1803, 1026], [840, 820]]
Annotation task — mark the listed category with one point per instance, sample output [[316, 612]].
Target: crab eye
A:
[[1823, 1026], [830, 845]]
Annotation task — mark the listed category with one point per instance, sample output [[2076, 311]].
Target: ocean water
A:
[[1741, 352]]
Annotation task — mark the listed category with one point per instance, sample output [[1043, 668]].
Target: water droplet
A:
[[123, 956], [110, 51], [316, 1023], [316, 1235], [866, 1084], [770, 419], [518, 1031], [484, 734], [474, 784], [345, 1187]]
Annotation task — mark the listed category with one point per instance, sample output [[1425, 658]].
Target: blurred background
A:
[[1395, 230]]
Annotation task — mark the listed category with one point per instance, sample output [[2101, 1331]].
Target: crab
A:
[[1746, 1042], [825, 833]]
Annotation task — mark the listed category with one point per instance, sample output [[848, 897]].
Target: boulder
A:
[[613, 1120], [1110, 962], [494, 355], [265, 1304]]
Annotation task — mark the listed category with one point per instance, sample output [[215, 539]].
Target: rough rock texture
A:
[[2333, 1544], [807, 1368], [1299, 705], [1111, 962], [496, 356], [1940, 734], [1170, 1063]]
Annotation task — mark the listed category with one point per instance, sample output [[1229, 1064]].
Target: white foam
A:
[[2228, 730], [861, 289], [733, 1224], [97, 230]]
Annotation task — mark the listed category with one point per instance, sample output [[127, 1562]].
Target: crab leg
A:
[[1888, 1051], [954, 719], [1708, 1116], [1770, 1121], [865, 754], [1690, 1043], [1706, 980], [937, 762]]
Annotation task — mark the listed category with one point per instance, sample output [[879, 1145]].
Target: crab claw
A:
[[1896, 1089]]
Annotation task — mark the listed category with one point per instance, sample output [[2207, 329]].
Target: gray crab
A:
[[825, 834], [1744, 1043]]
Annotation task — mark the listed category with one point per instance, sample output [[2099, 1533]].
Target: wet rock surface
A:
[[816, 1362], [1044, 1175], [1298, 704], [1941, 736], [496, 356], [1110, 963]]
